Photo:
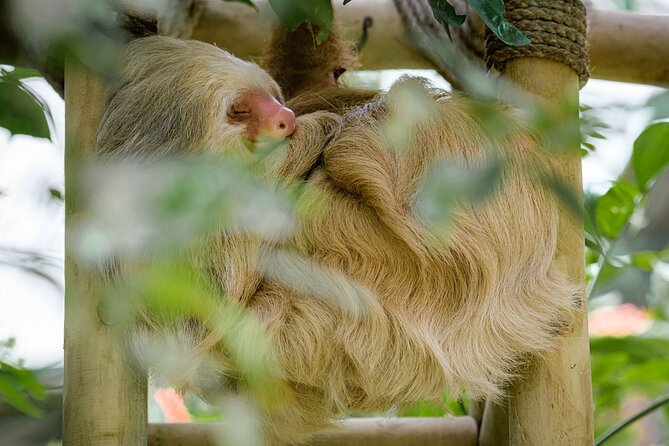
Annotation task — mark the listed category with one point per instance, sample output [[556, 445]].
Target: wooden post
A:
[[104, 401], [553, 403]]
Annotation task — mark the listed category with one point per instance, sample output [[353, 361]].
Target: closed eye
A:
[[239, 114]]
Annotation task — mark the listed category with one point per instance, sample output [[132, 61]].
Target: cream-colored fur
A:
[[365, 306]]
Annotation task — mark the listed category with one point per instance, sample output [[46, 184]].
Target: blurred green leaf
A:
[[656, 369], [20, 111], [559, 125], [587, 148], [564, 192], [646, 260], [56, 194], [449, 185], [170, 204], [445, 14], [622, 364], [660, 105], [492, 13], [651, 154], [629, 5], [246, 2], [609, 272], [637, 348], [615, 207], [19, 387], [424, 408], [438, 407], [592, 237], [175, 290], [23, 73], [293, 13], [590, 127]]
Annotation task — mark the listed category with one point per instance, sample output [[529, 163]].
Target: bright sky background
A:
[[32, 308]]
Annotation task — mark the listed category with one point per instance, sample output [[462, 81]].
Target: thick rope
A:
[[556, 28]]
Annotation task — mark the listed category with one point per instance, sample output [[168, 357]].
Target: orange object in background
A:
[[172, 405]]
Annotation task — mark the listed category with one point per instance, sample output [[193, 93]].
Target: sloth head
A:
[[179, 97]]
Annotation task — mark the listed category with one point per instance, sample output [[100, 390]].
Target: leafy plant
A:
[[22, 112], [18, 386], [632, 364]]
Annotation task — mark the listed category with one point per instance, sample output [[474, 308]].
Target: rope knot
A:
[[557, 29]]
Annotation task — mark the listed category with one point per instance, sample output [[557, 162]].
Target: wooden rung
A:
[[451, 431]]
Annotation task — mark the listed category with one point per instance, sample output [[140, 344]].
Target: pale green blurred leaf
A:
[[246, 2], [660, 105], [448, 185]]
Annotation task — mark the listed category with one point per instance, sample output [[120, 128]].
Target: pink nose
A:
[[263, 115], [281, 125]]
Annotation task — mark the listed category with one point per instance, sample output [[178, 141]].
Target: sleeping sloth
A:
[[418, 312]]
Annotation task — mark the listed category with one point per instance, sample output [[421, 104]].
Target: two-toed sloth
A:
[[455, 313]]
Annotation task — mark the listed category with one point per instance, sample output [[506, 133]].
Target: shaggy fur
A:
[[298, 64], [418, 314]]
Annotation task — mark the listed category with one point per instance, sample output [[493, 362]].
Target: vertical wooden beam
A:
[[553, 403], [104, 400]]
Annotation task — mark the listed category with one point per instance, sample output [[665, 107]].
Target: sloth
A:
[[426, 312]]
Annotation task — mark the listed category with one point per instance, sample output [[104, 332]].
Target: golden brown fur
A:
[[414, 313], [298, 64]]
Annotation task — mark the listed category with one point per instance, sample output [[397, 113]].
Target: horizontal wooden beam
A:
[[629, 47], [623, 46], [452, 431]]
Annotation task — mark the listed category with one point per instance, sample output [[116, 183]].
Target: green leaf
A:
[[20, 111], [19, 387], [638, 349], [609, 271], [592, 239], [424, 408], [656, 369], [492, 14], [564, 192], [246, 2], [56, 194], [646, 260], [651, 154], [293, 13], [448, 186], [445, 14], [615, 208], [22, 73]]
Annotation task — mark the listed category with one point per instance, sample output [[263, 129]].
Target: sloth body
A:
[[423, 313]]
